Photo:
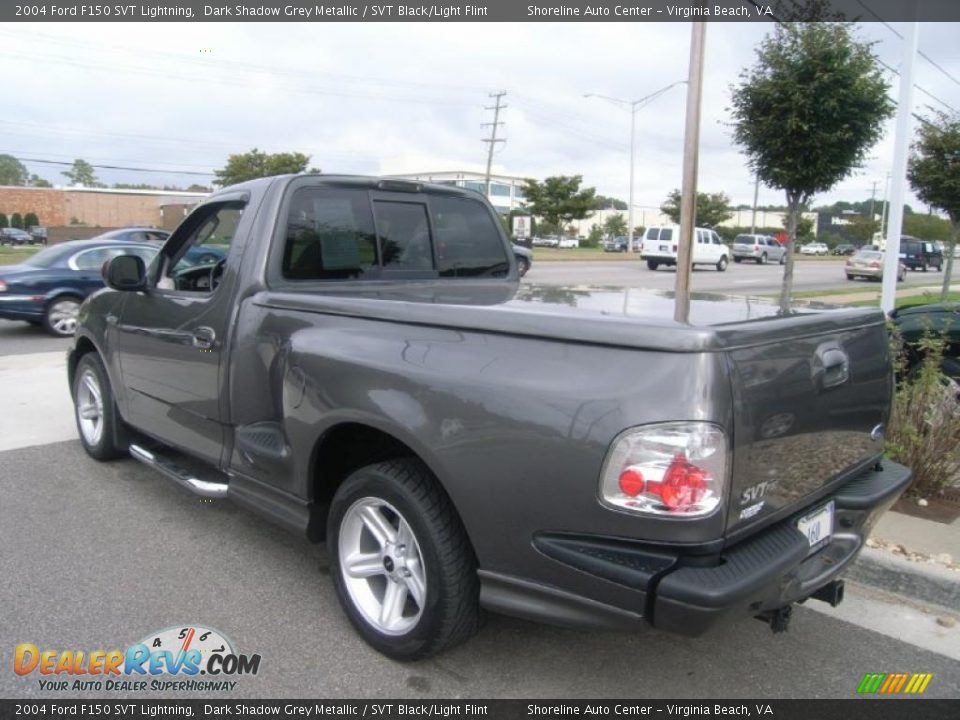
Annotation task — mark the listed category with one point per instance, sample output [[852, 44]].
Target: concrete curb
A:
[[921, 581]]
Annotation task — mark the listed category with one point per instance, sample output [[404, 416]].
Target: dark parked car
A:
[[919, 254], [39, 233], [47, 289], [617, 244], [365, 368], [940, 320], [15, 236], [844, 249], [136, 234]]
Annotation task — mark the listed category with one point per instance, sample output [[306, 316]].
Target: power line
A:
[[118, 167]]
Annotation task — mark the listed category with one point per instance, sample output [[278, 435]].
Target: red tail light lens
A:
[[875, 264], [3, 286], [756, 248], [677, 469], [674, 248]]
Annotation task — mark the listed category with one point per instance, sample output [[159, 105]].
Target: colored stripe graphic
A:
[[894, 683]]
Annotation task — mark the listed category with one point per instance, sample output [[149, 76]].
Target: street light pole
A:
[[633, 105]]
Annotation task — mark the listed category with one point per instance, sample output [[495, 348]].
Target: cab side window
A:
[[198, 262]]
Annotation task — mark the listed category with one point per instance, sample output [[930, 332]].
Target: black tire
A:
[[722, 263], [762, 260], [111, 442], [653, 264], [451, 612], [523, 265], [55, 320], [851, 277], [737, 260], [923, 267]]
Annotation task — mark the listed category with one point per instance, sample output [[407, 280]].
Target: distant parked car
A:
[[136, 234], [15, 236], [869, 264], [920, 254], [39, 234], [617, 244], [524, 257], [568, 242], [759, 248], [48, 288], [814, 248], [546, 241], [844, 249]]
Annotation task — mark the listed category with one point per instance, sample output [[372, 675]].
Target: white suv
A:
[[659, 247], [814, 248]]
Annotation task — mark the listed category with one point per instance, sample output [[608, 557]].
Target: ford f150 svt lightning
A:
[[361, 365]]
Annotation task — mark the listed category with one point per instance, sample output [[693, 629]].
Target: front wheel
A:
[[737, 260], [99, 424], [401, 563], [60, 317], [523, 265], [762, 260], [783, 259], [722, 264]]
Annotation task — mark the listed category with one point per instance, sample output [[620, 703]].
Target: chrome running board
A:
[[180, 475]]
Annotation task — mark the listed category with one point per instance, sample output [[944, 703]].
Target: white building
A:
[[506, 191]]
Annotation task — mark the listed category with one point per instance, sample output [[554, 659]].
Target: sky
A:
[[370, 98]]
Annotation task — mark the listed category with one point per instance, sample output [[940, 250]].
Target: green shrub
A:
[[31, 220], [16, 220], [4, 222], [924, 428]]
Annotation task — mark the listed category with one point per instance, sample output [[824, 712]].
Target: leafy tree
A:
[[804, 226], [934, 173], [4, 222], [37, 181], [16, 220], [82, 173], [257, 164], [712, 208], [806, 113], [615, 226], [12, 171], [926, 227], [638, 231], [609, 203], [559, 200], [199, 188], [31, 219], [595, 236], [863, 228]]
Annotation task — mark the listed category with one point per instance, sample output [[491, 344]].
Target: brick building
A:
[[99, 207]]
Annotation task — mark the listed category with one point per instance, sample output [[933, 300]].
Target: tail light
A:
[[3, 286], [674, 248], [756, 248], [875, 264], [678, 469]]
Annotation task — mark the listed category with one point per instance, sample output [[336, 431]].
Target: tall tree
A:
[[82, 173], [934, 173], [863, 228], [37, 181], [30, 220], [712, 208], [12, 171], [257, 164], [806, 113], [559, 200]]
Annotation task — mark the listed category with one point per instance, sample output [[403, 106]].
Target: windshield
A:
[[50, 256]]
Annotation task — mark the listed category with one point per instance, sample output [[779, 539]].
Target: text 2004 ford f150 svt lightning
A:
[[363, 367]]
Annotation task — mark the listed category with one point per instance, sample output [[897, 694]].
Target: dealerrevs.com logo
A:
[[184, 658]]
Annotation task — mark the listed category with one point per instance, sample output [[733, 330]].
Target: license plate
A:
[[663, 248], [818, 525], [903, 256]]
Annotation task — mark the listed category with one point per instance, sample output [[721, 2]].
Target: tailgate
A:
[[807, 416]]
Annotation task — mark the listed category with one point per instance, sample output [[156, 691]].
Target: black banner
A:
[[856, 709], [484, 11]]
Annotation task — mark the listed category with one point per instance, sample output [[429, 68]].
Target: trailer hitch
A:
[[779, 619]]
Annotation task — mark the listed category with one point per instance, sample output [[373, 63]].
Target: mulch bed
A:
[[942, 508]]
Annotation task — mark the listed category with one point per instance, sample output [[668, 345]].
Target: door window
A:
[[197, 263]]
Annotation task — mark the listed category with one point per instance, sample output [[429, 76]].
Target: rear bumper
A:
[[688, 593], [21, 307], [774, 568]]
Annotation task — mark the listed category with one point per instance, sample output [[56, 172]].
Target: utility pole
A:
[[688, 188], [901, 142], [873, 197], [753, 217], [493, 140]]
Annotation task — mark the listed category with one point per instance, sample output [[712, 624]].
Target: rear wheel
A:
[[401, 562], [736, 259], [722, 264], [923, 267], [523, 265], [850, 277], [783, 258], [99, 424], [653, 264], [60, 317]]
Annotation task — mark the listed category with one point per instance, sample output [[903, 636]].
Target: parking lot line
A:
[[37, 405]]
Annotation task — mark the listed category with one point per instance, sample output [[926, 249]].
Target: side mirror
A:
[[126, 272]]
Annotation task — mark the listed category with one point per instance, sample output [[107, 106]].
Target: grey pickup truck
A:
[[360, 364]]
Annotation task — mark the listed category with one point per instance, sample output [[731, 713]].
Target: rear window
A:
[[743, 239], [339, 234], [666, 233], [468, 243], [652, 233]]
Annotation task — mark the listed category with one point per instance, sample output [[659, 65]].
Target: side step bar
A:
[[179, 474]]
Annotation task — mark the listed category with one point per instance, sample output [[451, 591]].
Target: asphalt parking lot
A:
[[97, 556]]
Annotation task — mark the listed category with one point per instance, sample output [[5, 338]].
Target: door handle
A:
[[204, 337], [834, 367]]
